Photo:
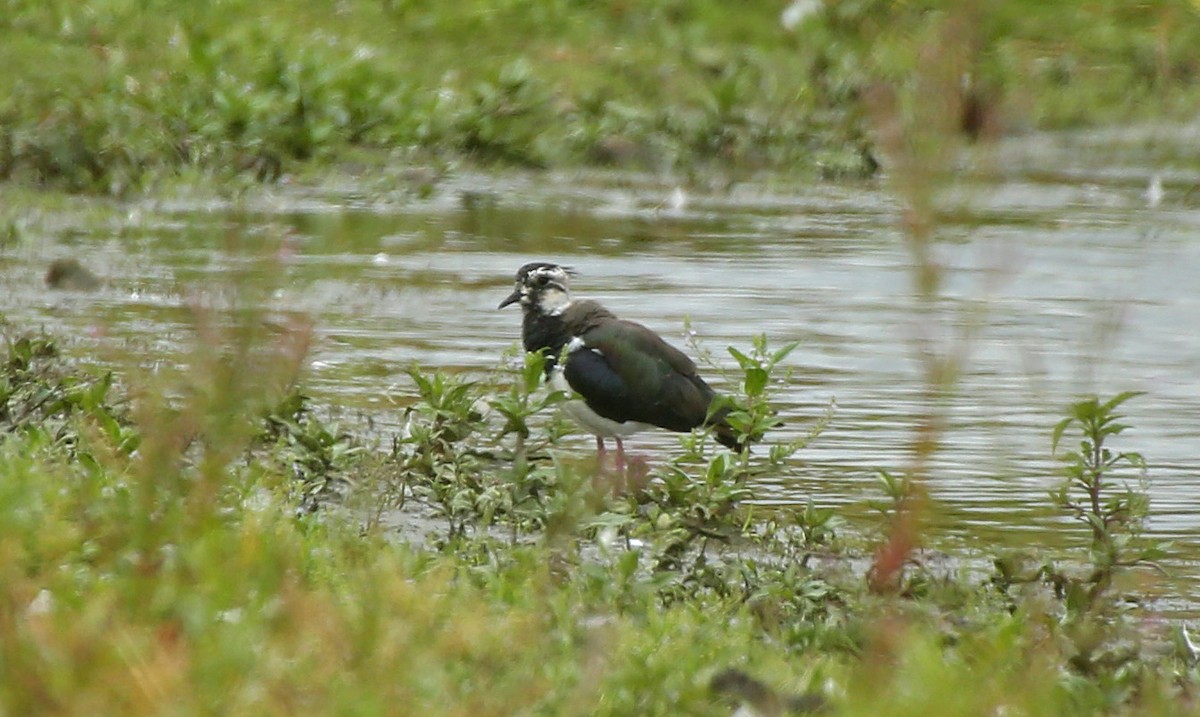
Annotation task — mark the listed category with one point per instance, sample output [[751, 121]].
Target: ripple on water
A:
[[1061, 280]]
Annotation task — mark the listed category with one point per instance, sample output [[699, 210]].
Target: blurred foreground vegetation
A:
[[110, 95], [200, 540]]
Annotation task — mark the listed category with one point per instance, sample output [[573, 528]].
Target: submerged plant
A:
[[437, 455], [454, 457], [319, 453], [520, 404], [41, 394], [1114, 512]]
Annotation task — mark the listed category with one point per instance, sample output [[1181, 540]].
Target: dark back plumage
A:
[[631, 373]]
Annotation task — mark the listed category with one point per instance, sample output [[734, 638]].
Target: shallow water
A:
[[1063, 276]]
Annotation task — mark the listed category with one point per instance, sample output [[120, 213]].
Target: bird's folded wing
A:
[[625, 372]]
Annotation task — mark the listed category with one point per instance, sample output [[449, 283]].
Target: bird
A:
[[756, 699], [622, 377], [70, 275]]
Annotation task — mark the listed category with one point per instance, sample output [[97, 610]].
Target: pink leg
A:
[[600, 452], [620, 456]]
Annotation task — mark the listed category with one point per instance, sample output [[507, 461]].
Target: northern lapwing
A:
[[756, 699], [626, 378]]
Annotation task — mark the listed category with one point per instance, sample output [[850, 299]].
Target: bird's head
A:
[[541, 287]]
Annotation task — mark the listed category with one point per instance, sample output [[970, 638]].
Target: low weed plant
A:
[[154, 558]]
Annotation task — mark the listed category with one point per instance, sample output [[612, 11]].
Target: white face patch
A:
[[547, 286], [554, 301]]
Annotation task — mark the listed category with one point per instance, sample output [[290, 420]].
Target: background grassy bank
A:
[[105, 95]]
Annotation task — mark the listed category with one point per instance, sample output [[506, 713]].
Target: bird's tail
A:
[[728, 437], [726, 434]]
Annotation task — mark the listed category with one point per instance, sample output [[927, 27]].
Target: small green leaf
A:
[[1058, 431], [743, 360], [782, 353], [756, 381], [1119, 399]]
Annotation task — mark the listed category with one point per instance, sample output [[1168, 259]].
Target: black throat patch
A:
[[544, 332]]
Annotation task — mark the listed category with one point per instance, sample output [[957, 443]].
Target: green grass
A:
[[109, 95], [153, 560]]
